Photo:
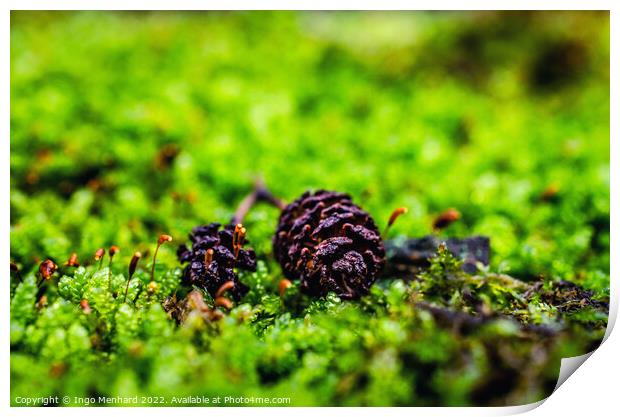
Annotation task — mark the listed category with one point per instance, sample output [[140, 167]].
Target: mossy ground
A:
[[128, 125]]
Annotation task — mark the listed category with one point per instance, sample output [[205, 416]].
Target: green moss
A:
[[128, 125]]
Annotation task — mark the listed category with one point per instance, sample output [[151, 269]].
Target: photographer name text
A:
[[187, 400]]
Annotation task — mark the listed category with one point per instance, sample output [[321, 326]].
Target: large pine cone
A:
[[212, 259], [329, 244]]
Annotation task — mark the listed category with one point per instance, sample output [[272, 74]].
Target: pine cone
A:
[[329, 244], [212, 259]]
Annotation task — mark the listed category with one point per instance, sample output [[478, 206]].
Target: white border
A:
[[593, 388]]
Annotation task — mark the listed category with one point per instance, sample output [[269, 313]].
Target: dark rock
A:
[[407, 256]]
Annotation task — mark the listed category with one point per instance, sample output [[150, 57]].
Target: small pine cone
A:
[[211, 270], [329, 244]]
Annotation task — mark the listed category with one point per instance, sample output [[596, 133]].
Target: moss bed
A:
[[126, 126]]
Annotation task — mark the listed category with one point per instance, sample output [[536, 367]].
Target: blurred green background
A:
[[125, 125], [478, 111]]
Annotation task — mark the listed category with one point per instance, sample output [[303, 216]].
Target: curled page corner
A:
[[568, 366], [522, 409], [613, 313]]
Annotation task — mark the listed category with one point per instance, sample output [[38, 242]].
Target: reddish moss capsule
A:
[[113, 251], [223, 302], [550, 193], [284, 284], [133, 264], [225, 287], [73, 260], [42, 303], [151, 288], [99, 254], [164, 238], [446, 218], [47, 269], [85, 306]]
